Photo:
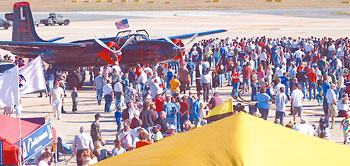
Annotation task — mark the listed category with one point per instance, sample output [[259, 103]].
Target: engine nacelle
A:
[[110, 56]]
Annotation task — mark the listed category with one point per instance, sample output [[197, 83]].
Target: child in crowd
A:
[[74, 96], [117, 117], [319, 94], [345, 126], [343, 105], [157, 135]]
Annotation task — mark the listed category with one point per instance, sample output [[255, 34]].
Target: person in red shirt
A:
[[184, 113], [145, 140], [138, 72], [312, 79], [300, 67], [235, 82], [246, 71], [307, 69], [316, 57], [159, 102]]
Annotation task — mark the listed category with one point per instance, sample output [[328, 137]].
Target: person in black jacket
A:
[[199, 72], [301, 76], [161, 121], [221, 73], [215, 83]]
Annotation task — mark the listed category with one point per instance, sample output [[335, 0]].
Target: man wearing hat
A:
[[56, 97], [332, 103]]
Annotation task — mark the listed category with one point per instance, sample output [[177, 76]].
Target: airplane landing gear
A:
[[74, 79]]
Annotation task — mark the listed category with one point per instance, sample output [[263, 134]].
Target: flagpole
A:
[[50, 109], [20, 129], [20, 141]]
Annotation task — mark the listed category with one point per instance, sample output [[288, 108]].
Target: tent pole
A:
[[20, 142]]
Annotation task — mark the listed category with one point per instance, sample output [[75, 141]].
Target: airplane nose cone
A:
[[162, 50]]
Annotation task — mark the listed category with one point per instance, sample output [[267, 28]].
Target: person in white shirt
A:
[[340, 52], [125, 138], [44, 159], [206, 82], [309, 47], [81, 143], [56, 99], [117, 150], [142, 79], [108, 94], [117, 68], [299, 56], [263, 57], [118, 90], [296, 101], [279, 71], [305, 128], [332, 103], [279, 86], [331, 48]]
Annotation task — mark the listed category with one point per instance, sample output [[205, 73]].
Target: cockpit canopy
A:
[[140, 35]]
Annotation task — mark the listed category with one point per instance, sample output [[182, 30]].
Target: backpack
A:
[[324, 123], [124, 142]]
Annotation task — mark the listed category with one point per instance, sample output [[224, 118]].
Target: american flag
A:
[[122, 24]]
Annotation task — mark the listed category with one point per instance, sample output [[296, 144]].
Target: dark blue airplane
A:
[[126, 48]]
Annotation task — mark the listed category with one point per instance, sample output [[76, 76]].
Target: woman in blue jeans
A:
[[108, 93], [263, 103], [221, 73]]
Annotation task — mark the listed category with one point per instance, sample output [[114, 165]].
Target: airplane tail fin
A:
[[23, 24]]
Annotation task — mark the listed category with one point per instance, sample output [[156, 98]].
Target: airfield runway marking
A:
[[240, 99], [267, 28], [287, 14]]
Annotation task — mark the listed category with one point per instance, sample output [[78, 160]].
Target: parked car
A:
[[54, 19], [5, 23]]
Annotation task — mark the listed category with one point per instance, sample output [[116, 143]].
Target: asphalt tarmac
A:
[[239, 23]]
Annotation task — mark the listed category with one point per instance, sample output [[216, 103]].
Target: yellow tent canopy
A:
[[220, 111], [239, 140]]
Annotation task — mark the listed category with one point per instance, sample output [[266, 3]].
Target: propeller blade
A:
[[168, 39], [101, 43], [191, 40], [127, 43]]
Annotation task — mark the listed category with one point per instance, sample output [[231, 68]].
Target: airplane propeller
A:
[[186, 45], [116, 52]]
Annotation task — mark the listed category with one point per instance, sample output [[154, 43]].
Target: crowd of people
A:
[[159, 101], [153, 101]]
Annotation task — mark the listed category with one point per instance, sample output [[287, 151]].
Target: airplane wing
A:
[[42, 45], [32, 49], [187, 36]]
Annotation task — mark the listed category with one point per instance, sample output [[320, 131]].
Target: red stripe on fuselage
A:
[[21, 4]]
